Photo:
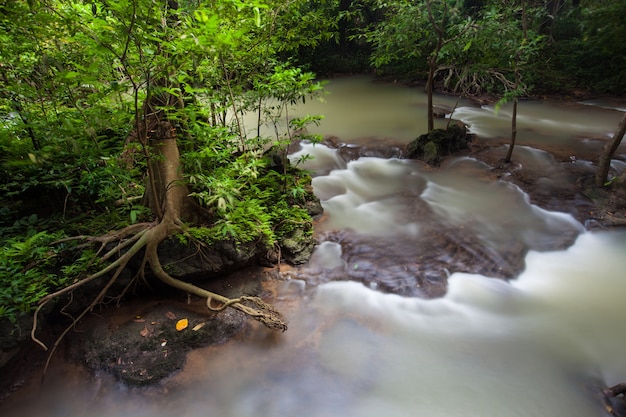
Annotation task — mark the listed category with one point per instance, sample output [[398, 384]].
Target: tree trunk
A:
[[604, 163], [169, 190], [509, 153], [518, 81], [432, 63]]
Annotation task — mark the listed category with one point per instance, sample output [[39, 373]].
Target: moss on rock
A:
[[433, 146]]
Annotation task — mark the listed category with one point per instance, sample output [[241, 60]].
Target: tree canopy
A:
[[576, 51]]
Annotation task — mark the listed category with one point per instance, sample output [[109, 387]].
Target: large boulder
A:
[[194, 262]]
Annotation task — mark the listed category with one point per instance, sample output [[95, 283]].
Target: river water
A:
[[538, 345]]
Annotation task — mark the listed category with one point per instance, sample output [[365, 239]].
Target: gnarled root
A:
[[261, 311], [149, 236], [613, 406]]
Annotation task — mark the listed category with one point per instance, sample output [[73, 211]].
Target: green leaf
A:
[[70, 75], [257, 17]]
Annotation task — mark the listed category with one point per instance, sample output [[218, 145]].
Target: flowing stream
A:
[[538, 345]]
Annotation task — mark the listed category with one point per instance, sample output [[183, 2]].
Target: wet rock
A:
[[298, 247], [419, 264], [191, 261], [139, 342], [13, 336], [314, 207], [375, 147], [149, 347], [432, 147], [416, 265], [611, 398], [349, 152], [196, 263], [440, 111]]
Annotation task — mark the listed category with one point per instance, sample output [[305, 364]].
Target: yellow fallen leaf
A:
[[182, 324]]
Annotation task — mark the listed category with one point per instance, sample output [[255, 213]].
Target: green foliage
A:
[[565, 48], [584, 54], [405, 38], [27, 268], [249, 199], [36, 264], [246, 183], [402, 40], [34, 259], [79, 83], [74, 87], [324, 29]]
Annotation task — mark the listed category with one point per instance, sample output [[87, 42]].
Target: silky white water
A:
[[539, 345], [526, 348], [540, 121]]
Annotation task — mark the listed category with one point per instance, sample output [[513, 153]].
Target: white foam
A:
[[509, 349]]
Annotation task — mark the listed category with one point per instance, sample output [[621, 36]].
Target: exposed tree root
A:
[[169, 198], [615, 409], [612, 220], [263, 313], [130, 241], [619, 389]]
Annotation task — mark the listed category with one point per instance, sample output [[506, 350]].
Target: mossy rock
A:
[[432, 147], [298, 247]]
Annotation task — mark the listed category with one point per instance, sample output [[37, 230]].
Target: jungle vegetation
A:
[[127, 122]]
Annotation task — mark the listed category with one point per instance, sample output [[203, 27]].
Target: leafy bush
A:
[[27, 274], [249, 200]]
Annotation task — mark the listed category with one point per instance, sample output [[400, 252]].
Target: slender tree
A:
[[604, 163], [440, 32], [449, 26], [516, 86], [418, 33]]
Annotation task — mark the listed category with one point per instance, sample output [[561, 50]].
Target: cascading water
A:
[[539, 345]]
